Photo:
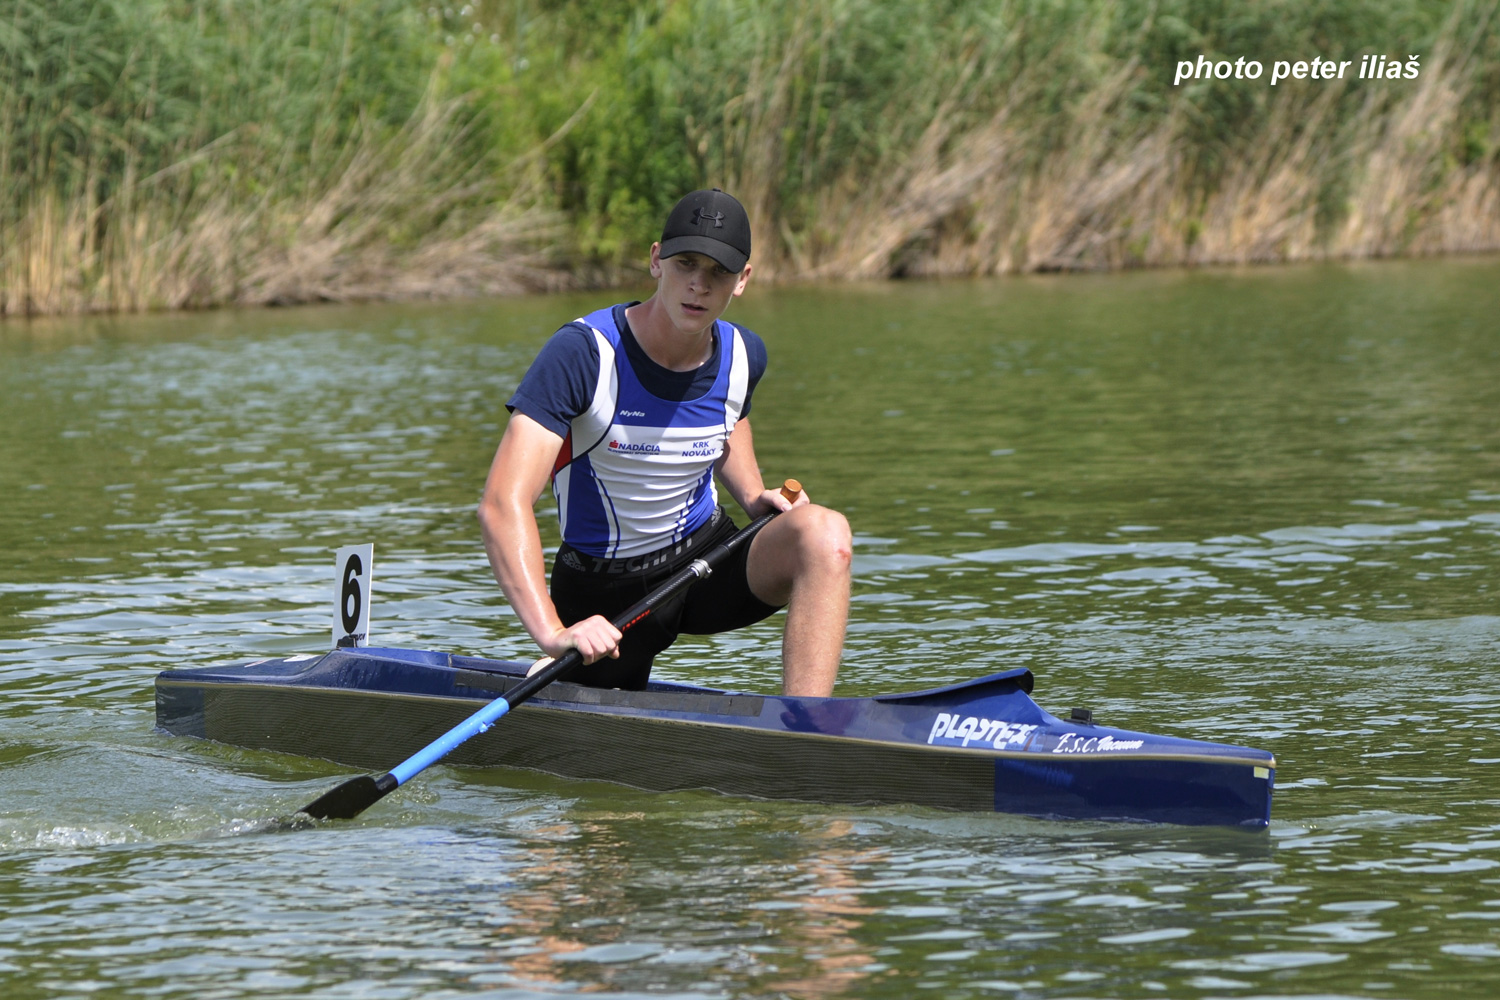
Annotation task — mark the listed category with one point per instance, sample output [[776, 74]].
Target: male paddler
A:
[[630, 411]]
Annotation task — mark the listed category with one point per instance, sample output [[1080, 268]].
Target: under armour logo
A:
[[700, 217]]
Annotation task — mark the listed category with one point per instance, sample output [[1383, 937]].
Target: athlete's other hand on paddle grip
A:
[[782, 499], [774, 500]]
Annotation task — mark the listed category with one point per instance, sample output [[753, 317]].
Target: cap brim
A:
[[732, 259]]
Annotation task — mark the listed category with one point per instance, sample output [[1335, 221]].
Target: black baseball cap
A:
[[711, 223]]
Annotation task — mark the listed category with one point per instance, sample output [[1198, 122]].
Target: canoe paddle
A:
[[358, 794]]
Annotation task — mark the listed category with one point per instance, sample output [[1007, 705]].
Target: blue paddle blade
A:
[[351, 798]]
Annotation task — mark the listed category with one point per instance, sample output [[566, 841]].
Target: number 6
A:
[[351, 595]]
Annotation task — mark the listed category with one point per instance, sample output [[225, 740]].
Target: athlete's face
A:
[[695, 289]]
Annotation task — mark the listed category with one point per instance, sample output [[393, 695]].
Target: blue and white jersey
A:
[[636, 469]]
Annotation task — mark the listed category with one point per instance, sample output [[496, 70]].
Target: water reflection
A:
[[821, 922], [538, 939]]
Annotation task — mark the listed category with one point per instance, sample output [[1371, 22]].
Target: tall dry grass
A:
[[340, 242], [191, 153], [159, 155], [1115, 190]]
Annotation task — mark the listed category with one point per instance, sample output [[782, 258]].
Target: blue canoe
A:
[[982, 745]]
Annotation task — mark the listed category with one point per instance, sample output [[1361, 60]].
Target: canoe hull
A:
[[374, 708]]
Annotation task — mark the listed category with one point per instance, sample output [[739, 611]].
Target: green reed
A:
[[195, 152], [162, 153], [872, 137]]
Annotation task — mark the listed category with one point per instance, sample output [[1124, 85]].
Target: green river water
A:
[[1260, 507]]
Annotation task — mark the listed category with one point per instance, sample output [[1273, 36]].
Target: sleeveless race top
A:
[[636, 472]]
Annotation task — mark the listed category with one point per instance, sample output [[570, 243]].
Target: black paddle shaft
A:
[[640, 610]]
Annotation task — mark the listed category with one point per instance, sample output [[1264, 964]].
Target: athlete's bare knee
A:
[[825, 538]]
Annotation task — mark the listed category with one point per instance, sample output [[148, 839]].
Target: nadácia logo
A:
[[627, 448]]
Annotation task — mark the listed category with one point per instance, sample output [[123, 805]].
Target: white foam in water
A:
[[68, 837]]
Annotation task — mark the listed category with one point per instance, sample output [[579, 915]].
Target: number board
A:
[[351, 595]]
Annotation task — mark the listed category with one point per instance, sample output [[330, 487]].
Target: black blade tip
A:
[[351, 798]]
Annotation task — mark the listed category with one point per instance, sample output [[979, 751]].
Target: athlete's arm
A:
[[507, 520], [740, 474]]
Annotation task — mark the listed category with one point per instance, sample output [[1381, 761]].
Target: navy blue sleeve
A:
[[560, 383], [755, 353]]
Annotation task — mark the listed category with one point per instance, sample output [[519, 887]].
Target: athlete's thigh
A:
[[724, 601]]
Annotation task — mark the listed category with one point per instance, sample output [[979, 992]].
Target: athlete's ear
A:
[[656, 260], [739, 287]]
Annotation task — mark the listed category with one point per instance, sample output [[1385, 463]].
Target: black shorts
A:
[[584, 585]]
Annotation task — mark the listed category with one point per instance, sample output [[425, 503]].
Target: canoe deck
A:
[[983, 745]]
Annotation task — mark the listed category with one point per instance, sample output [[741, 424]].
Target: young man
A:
[[630, 411]]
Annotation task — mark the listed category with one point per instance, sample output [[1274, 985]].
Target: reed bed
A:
[[193, 153], [158, 154], [1030, 137]]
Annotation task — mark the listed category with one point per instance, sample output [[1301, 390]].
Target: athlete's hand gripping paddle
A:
[[358, 794]]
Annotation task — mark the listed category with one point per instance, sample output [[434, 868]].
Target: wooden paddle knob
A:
[[791, 489]]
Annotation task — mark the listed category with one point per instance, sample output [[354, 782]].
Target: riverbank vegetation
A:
[[188, 153]]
